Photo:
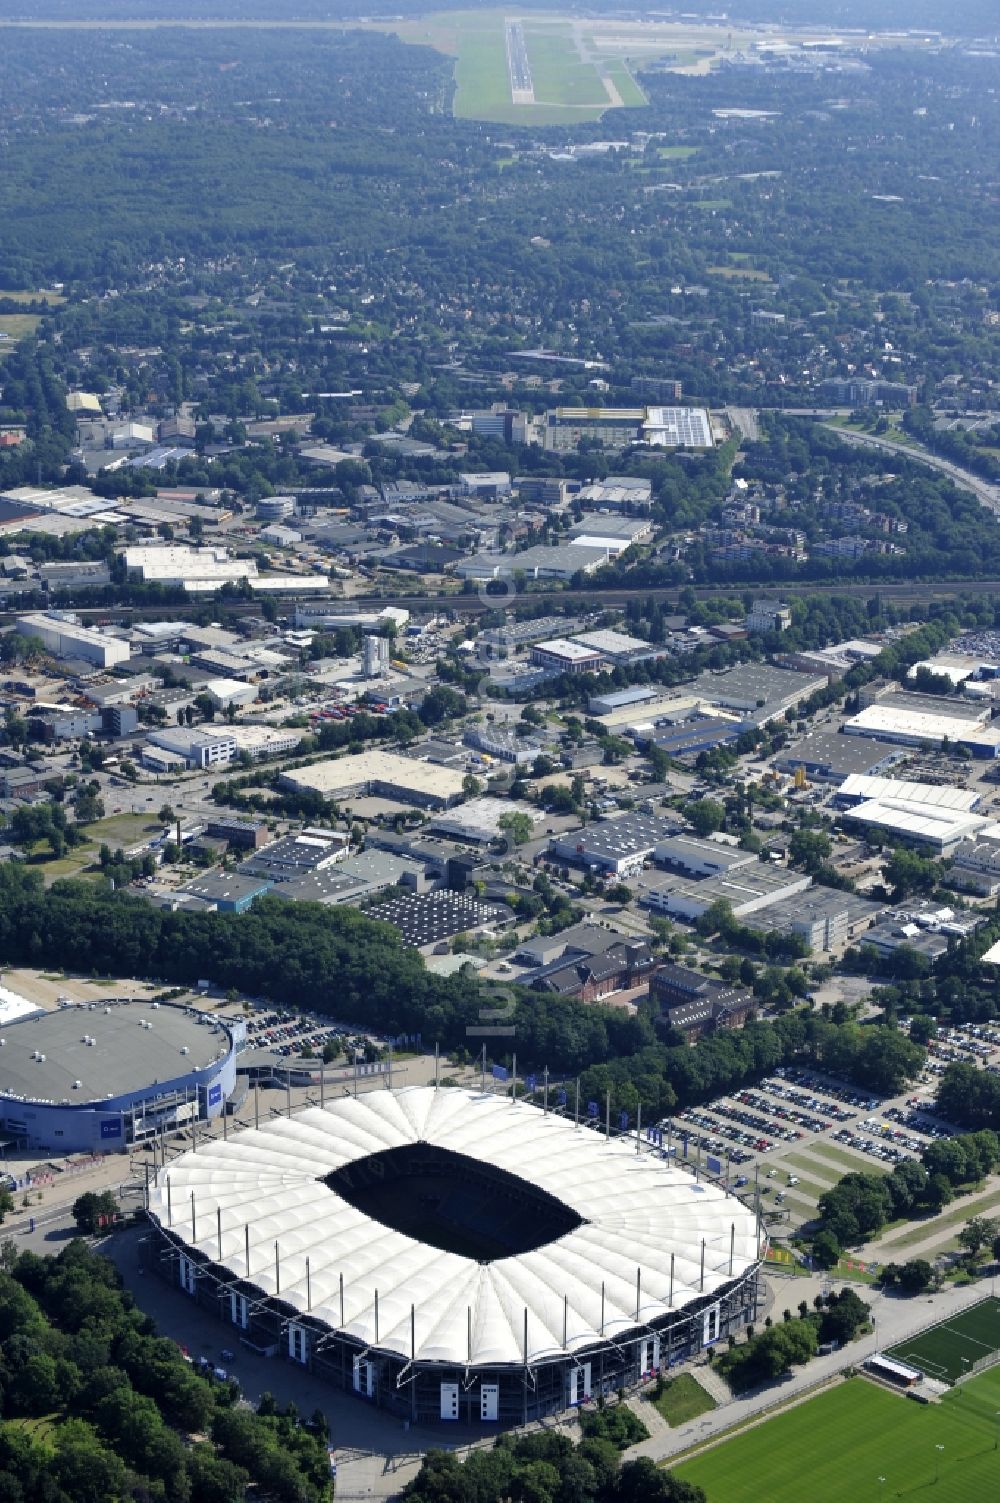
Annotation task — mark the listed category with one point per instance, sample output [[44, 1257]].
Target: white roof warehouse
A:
[[379, 772]]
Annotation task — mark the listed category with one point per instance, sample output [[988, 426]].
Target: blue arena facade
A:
[[97, 1077]]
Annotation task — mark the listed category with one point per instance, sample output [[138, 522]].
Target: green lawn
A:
[[843, 1156], [922, 1231], [682, 1399], [836, 1448], [631, 94], [557, 74]]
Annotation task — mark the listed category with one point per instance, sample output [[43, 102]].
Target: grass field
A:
[[15, 326], [949, 1349], [923, 1231], [25, 295], [836, 1448], [683, 1399]]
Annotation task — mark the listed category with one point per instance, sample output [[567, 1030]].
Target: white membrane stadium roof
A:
[[638, 1212]]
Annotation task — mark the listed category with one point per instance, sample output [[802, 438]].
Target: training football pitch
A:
[[951, 1348], [858, 1442]]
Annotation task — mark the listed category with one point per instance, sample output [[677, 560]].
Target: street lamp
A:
[[937, 1462], [996, 1438]]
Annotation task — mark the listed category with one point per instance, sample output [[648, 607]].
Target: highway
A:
[[988, 495]]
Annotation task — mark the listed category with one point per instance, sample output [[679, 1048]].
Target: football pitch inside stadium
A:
[[859, 1441], [950, 1349]]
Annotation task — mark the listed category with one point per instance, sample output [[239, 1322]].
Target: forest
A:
[[96, 1408]]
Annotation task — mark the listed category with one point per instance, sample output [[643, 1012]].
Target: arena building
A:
[[95, 1077], [454, 1255]]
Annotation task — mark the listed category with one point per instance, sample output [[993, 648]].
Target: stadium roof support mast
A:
[[483, 1084], [513, 1078], [545, 1078], [638, 1129], [436, 1065], [577, 1109], [607, 1117]]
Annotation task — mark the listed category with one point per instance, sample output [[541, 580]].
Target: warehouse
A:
[[761, 691], [64, 637], [929, 827], [828, 757], [620, 847], [688, 738], [452, 1255], [226, 891], [616, 646], [857, 789], [99, 1076], [949, 724], [689, 856], [747, 891], [380, 772]]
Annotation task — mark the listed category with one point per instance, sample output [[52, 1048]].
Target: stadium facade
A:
[[454, 1255], [96, 1077]]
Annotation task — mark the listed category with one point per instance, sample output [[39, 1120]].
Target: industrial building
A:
[[455, 1256], [226, 891], [64, 637], [620, 427], [501, 744], [97, 1077], [825, 917], [619, 847], [747, 891], [478, 821], [616, 646], [916, 720], [689, 856], [621, 699], [296, 855], [828, 757], [430, 917], [381, 772], [935, 828], [197, 746], [758, 690]]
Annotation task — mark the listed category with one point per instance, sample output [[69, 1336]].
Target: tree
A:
[[471, 786], [517, 825], [705, 816], [809, 849], [93, 1211], [825, 1249], [978, 1233], [166, 815]]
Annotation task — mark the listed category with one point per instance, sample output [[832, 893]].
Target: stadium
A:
[[455, 1255], [95, 1077]]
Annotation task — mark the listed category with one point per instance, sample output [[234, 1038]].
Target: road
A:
[[988, 495]]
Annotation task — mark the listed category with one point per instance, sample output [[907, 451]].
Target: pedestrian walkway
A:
[[715, 1386]]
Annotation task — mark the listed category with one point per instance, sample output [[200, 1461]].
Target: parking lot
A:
[[797, 1132]]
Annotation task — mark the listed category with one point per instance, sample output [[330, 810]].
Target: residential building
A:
[[768, 616]]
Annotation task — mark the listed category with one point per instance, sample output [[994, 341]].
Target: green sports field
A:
[[952, 1347], [858, 1442]]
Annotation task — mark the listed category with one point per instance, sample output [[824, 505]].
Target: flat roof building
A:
[[381, 772], [689, 856], [430, 917], [760, 690], [747, 891], [65, 637], [619, 846], [892, 722], [828, 757], [567, 657]]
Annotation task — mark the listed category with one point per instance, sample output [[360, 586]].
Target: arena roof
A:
[[640, 1218], [125, 1056]]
